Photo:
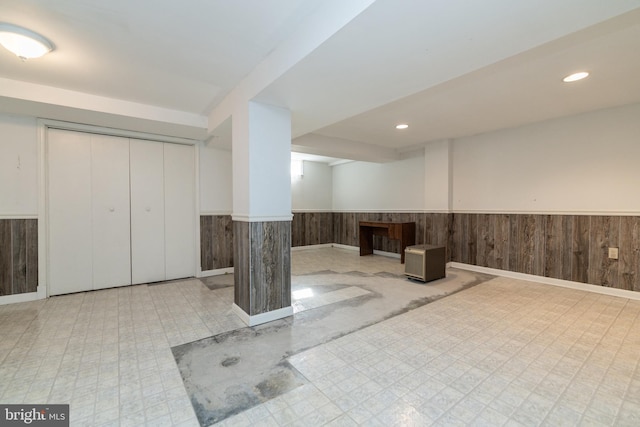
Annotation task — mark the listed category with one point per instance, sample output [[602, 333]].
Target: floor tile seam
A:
[[557, 338], [27, 329], [487, 380], [636, 319], [515, 379], [636, 368], [162, 319], [604, 314], [591, 397], [66, 344], [557, 402], [611, 325], [576, 321], [480, 333], [585, 417]]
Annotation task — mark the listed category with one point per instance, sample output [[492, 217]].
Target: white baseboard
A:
[[549, 281], [216, 272], [26, 297], [375, 251], [308, 247], [347, 247], [258, 319], [387, 254]]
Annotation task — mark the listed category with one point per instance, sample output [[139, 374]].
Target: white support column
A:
[[262, 211]]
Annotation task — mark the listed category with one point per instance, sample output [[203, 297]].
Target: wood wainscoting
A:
[[216, 242], [263, 254], [312, 228], [18, 256], [567, 247]]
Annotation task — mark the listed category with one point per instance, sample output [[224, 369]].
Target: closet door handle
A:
[[148, 209]]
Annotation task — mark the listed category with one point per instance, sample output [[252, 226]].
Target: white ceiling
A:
[[521, 89], [449, 69], [182, 55]]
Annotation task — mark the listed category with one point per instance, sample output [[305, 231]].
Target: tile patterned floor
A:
[[504, 352], [108, 352]]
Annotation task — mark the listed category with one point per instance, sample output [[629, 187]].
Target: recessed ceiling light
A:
[[402, 126], [575, 77], [25, 44]]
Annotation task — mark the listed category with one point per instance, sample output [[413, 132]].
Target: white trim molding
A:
[[26, 297], [18, 216], [622, 293], [216, 272], [258, 319], [43, 217], [531, 212], [375, 251], [309, 247], [347, 247], [416, 211], [215, 213], [78, 127], [252, 218], [197, 259]]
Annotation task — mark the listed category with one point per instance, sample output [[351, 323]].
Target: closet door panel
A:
[[147, 211], [69, 208], [111, 219], [179, 192]]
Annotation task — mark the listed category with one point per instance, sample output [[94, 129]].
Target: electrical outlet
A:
[[613, 253]]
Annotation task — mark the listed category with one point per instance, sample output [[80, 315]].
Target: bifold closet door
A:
[[147, 211], [70, 214], [179, 201], [89, 246], [111, 219]]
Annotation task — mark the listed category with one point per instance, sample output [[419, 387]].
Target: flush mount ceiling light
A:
[[25, 44], [575, 77], [402, 126]]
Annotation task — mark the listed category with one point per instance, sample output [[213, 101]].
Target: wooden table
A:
[[403, 231]]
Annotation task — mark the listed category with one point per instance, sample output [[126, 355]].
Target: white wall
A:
[[396, 186], [312, 191], [581, 164], [437, 176], [215, 181], [18, 166]]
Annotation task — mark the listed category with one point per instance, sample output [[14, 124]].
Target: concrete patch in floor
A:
[[218, 282], [234, 371]]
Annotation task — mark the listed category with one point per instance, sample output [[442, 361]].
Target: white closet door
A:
[[147, 211], [179, 211], [111, 220], [69, 203]]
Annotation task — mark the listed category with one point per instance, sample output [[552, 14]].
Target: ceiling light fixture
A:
[[402, 126], [575, 77], [25, 44]]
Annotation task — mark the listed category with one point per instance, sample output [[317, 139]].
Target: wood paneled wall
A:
[[312, 228], [216, 242], [18, 256], [263, 251], [568, 247]]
